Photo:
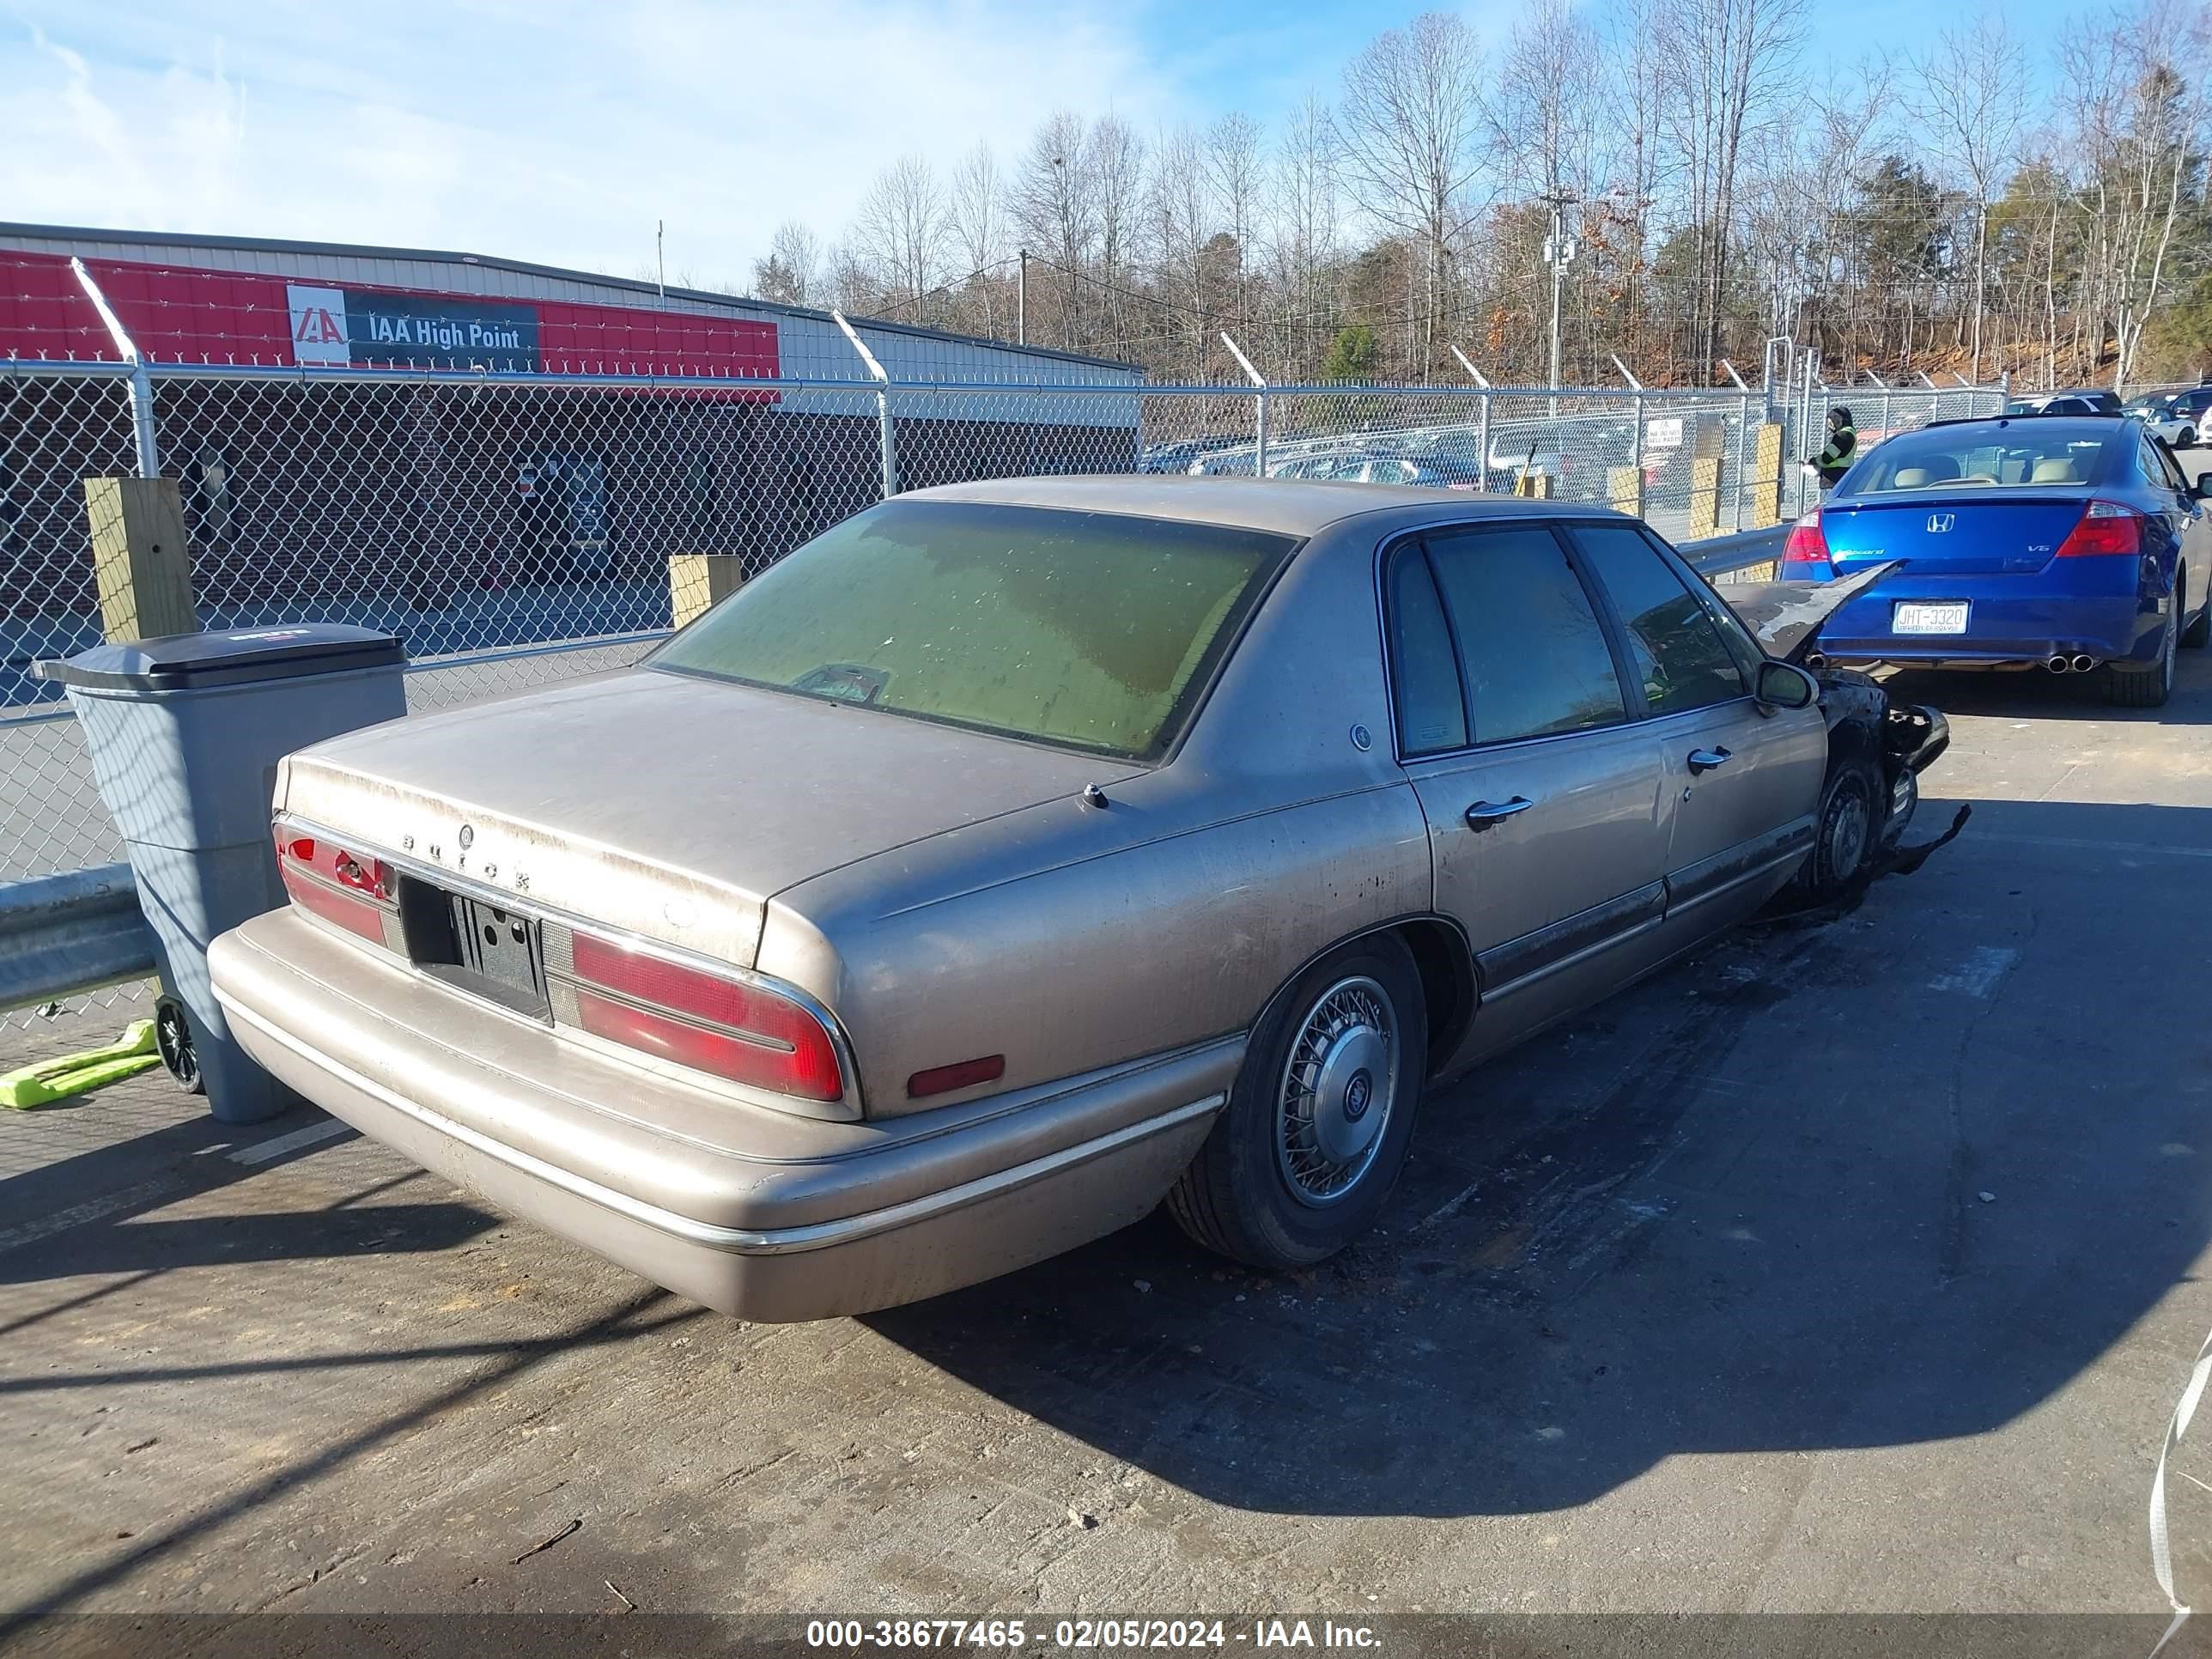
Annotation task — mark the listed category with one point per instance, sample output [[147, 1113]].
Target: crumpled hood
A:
[[671, 806], [1787, 617]]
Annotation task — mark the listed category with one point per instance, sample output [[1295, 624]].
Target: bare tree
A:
[[902, 229], [1114, 159], [1233, 164], [1631, 154], [1409, 122], [790, 273], [1304, 231], [1542, 121], [976, 223], [1725, 61], [1056, 206], [1181, 226], [1973, 84]]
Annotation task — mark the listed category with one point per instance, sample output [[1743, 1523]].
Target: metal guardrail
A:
[[1721, 554], [62, 935]]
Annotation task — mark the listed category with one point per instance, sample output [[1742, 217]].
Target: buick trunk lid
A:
[[670, 806]]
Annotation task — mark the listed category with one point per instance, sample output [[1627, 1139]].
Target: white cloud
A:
[[550, 132]]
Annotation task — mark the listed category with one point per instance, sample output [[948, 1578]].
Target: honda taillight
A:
[[734, 1028], [1805, 554], [351, 889], [2105, 528]]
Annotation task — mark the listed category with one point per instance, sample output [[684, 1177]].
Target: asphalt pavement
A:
[[1850, 1266]]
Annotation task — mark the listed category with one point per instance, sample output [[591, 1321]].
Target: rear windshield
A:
[[1091, 630], [2024, 454]]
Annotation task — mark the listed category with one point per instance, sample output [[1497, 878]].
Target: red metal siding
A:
[[178, 313]]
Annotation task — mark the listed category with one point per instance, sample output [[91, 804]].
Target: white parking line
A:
[[262, 1150], [93, 1209], [1978, 975]]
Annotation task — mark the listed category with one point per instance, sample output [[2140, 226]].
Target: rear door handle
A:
[[1704, 760], [1484, 813]]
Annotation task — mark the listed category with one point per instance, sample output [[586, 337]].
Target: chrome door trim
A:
[[1508, 967], [1694, 883]]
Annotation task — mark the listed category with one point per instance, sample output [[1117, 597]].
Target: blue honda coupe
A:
[[2067, 542]]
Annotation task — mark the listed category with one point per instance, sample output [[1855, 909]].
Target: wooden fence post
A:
[[1767, 476], [142, 562], [1624, 490], [698, 580], [1705, 498]]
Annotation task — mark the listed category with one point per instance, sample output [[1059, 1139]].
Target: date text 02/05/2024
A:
[[1079, 1635]]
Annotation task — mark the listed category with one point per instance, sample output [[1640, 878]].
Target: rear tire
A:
[[1303, 1158], [2146, 688]]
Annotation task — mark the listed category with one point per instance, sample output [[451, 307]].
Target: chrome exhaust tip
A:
[[2082, 663], [2060, 664]]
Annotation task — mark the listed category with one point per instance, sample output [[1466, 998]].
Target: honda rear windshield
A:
[[1089, 630], [2038, 453]]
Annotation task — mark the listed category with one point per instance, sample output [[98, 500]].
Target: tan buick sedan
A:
[[1016, 855]]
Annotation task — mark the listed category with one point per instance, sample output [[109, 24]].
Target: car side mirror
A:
[[2200, 487], [1785, 685]]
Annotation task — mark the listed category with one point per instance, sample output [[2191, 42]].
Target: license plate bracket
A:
[[477, 946], [1928, 617]]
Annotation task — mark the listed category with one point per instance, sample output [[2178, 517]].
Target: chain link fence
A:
[[516, 530]]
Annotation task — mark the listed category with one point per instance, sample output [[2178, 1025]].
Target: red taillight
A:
[[355, 916], [334, 863], [2105, 528], [338, 886], [962, 1075], [729, 1027], [1805, 554]]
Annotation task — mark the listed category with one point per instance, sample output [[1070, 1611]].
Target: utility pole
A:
[[1559, 251], [1022, 301]]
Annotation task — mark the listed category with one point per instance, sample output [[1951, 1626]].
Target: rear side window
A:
[[1531, 649], [1681, 653], [1091, 630], [1431, 716], [2159, 468]]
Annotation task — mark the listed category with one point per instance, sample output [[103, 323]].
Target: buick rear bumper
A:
[[765, 1215]]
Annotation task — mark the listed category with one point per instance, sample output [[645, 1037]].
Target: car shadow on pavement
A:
[[230, 1239], [1897, 1178]]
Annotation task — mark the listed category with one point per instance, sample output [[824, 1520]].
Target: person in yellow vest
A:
[[1842, 448]]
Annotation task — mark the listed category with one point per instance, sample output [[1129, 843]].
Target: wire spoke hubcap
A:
[[1338, 1089]]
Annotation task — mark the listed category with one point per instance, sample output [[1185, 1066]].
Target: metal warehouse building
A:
[[429, 425]]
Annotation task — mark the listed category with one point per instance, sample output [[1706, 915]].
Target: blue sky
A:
[[560, 132]]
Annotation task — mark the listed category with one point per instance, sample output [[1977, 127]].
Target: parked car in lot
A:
[[2090, 400], [1401, 467], [2194, 405], [2065, 543], [1016, 855], [2164, 420]]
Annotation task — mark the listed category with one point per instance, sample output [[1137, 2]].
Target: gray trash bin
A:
[[184, 734]]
